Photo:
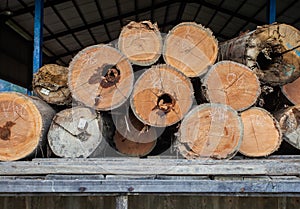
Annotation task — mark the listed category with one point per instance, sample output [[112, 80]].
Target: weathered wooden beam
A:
[[152, 167], [131, 187]]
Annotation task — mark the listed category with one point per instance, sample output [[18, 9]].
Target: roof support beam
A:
[[197, 12], [247, 22], [215, 13], [231, 17], [83, 20], [180, 11], [102, 17], [66, 25], [119, 12]]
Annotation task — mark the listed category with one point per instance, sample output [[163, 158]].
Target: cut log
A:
[[291, 91], [141, 42], [100, 77], [271, 51], [24, 122], [75, 132], [210, 131], [262, 134], [132, 137], [162, 96], [190, 48], [50, 83], [289, 121], [231, 83]]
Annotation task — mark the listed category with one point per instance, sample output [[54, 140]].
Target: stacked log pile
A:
[[138, 98]]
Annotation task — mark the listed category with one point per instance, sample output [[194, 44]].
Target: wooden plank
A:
[[235, 187], [152, 167]]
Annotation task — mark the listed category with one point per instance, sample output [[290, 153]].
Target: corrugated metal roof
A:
[[70, 25]]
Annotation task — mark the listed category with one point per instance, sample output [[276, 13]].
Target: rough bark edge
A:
[[278, 115]]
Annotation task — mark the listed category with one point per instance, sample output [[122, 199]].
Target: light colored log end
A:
[[262, 134]]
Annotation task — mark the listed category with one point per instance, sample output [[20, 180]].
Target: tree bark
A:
[[262, 134], [75, 132], [271, 51], [289, 122], [210, 131], [162, 96], [231, 83], [100, 77], [190, 48], [141, 42], [24, 122], [50, 84]]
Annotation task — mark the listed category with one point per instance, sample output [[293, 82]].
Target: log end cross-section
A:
[[262, 134], [24, 122], [141, 42], [190, 48], [210, 131], [162, 96], [231, 83], [100, 77]]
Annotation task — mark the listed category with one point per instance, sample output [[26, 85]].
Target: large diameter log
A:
[[100, 77], [289, 121], [291, 91], [231, 83], [132, 137], [24, 122], [262, 134], [141, 42], [50, 83], [162, 96], [271, 51], [210, 131], [75, 132], [190, 48]]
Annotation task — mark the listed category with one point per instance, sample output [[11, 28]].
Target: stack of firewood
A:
[[149, 92]]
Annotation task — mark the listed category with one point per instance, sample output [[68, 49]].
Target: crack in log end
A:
[[165, 103], [5, 131]]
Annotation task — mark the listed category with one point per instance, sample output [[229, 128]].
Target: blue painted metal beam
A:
[[272, 11], [38, 35]]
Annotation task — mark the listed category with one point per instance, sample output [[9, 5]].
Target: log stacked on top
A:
[[138, 112]]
